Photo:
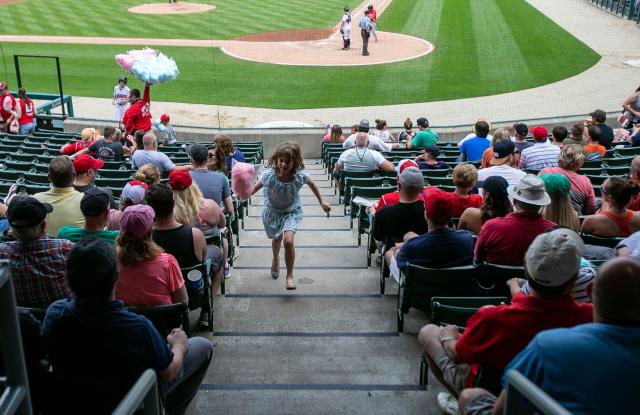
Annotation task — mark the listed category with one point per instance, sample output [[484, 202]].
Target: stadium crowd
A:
[[83, 257]]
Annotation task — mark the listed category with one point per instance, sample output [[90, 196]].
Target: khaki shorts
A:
[[454, 374], [481, 405]]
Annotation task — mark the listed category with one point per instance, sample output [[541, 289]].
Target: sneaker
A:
[[227, 270], [203, 320], [447, 403]]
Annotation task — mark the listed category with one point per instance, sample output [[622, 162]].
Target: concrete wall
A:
[[308, 139]]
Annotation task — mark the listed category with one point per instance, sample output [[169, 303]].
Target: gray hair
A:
[[362, 140]]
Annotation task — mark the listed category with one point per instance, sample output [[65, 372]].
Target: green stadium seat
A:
[[418, 285], [166, 317], [611, 242]]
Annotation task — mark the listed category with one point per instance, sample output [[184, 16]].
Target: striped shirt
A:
[[38, 270], [539, 156], [586, 275]]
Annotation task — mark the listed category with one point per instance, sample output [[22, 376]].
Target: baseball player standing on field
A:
[[121, 95], [373, 15], [345, 29], [365, 31]]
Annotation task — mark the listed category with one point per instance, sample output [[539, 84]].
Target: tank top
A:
[[623, 223], [179, 243]]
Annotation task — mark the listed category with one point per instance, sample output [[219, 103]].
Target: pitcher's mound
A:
[[171, 8]]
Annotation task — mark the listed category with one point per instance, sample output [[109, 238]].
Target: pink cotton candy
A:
[[126, 60], [242, 180]]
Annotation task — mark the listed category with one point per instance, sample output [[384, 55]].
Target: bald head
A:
[[616, 293], [148, 140], [362, 140]]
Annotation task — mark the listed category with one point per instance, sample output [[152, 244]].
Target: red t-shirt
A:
[[373, 15], [495, 335], [138, 115], [505, 240], [460, 204], [7, 105], [27, 111]]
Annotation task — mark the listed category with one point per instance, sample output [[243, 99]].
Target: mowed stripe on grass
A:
[[111, 18], [501, 46]]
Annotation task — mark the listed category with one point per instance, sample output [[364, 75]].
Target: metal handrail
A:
[[144, 390], [521, 390], [15, 399]]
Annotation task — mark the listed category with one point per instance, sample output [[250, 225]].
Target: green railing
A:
[[53, 101], [622, 8]]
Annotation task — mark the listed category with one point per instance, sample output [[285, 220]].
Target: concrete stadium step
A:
[[311, 401], [300, 312], [305, 258], [309, 281], [385, 359]]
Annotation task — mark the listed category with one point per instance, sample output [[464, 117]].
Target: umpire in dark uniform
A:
[[365, 32]]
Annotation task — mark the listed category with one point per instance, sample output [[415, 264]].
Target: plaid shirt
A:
[[38, 269]]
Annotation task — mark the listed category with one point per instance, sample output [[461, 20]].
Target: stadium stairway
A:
[[329, 347]]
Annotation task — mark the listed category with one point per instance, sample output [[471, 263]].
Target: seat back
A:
[[609, 242], [419, 285], [457, 310], [497, 275], [166, 317]]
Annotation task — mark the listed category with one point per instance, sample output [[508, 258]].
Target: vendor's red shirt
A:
[[495, 335], [505, 240], [373, 15], [138, 115], [460, 204]]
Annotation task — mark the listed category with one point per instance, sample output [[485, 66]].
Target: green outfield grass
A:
[[230, 19], [482, 48]]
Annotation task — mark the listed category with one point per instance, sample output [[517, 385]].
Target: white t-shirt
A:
[[383, 135], [360, 159], [374, 143], [121, 95], [511, 175]]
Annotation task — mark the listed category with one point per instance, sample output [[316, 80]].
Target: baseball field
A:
[[479, 47]]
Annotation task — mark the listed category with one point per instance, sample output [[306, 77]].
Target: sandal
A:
[[290, 285], [275, 274]]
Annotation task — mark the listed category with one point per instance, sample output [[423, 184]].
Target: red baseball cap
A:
[[539, 133], [438, 204], [3, 86], [84, 162], [164, 117], [179, 179]]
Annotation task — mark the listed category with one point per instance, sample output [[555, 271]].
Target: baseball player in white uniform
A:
[[345, 29], [120, 102]]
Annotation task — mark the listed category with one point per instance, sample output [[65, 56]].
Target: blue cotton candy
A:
[[155, 69]]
